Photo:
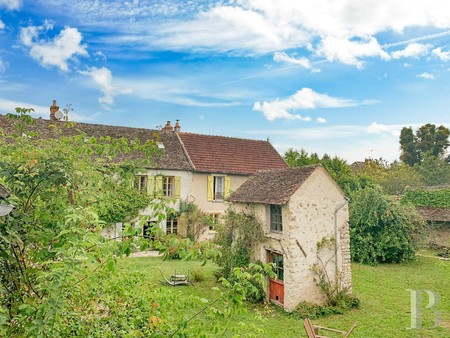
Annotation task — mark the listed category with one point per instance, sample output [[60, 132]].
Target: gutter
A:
[[336, 234]]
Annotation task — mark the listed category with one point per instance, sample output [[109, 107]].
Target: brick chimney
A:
[[167, 128], [53, 109], [177, 126]]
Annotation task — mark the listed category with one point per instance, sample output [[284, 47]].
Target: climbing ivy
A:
[[428, 198]]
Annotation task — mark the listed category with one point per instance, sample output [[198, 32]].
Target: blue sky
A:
[[338, 77]]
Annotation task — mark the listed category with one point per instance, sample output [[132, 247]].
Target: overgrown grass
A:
[[383, 290]]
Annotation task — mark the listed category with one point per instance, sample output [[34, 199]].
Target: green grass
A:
[[383, 291]]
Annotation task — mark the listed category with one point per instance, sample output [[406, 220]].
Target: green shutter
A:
[[158, 185], [210, 188], [151, 185], [227, 187], [177, 187]]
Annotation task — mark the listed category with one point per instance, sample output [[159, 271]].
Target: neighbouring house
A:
[[299, 208], [439, 234], [203, 169]]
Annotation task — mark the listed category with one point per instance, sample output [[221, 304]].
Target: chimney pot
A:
[[177, 126], [53, 109], [167, 127]]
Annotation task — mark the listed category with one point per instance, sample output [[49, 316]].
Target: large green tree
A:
[[427, 139]]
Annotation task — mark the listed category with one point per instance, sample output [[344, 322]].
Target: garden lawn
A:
[[384, 292]]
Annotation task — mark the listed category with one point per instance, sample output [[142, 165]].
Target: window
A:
[[168, 185], [276, 221], [147, 229], [277, 260], [140, 182], [214, 220], [171, 225], [165, 186], [218, 187]]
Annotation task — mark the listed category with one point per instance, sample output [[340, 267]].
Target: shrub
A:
[[237, 237], [197, 275], [381, 229]]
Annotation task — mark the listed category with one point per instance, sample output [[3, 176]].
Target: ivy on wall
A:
[[428, 198]]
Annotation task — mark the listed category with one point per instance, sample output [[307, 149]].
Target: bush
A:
[[237, 237], [313, 311], [197, 275], [382, 230]]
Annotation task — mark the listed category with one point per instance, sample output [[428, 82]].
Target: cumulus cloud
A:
[[53, 52], [426, 76], [304, 99], [412, 50], [103, 77], [2, 25], [11, 4], [349, 52], [444, 56], [321, 120]]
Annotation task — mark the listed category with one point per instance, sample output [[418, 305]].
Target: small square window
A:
[[276, 219]]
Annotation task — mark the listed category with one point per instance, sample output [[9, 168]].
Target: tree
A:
[[433, 170], [336, 167], [427, 139], [382, 230]]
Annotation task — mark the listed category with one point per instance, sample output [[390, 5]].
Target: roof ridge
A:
[[226, 137]]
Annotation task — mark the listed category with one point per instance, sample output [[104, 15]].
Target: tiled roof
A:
[[218, 154], [3, 192], [173, 156], [434, 214], [272, 186]]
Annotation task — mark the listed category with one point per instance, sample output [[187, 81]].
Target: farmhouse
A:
[[197, 168], [299, 208]]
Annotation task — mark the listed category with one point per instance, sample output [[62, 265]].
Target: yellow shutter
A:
[[177, 188], [151, 185], [158, 185], [227, 188], [210, 188]]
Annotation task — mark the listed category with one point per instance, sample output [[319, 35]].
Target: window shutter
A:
[[158, 185], [151, 185], [177, 188], [227, 188], [210, 188]]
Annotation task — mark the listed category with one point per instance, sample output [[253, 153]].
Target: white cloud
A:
[[407, 65], [103, 77], [305, 98], [342, 31], [53, 52], [413, 50], [2, 25], [11, 4], [426, 76], [349, 52], [444, 56], [283, 57], [321, 120]]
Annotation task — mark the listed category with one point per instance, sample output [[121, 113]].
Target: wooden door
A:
[[276, 285]]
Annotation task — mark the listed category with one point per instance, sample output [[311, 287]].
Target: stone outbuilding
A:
[[299, 208]]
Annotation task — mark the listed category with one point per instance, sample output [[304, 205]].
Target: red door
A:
[[276, 286]]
